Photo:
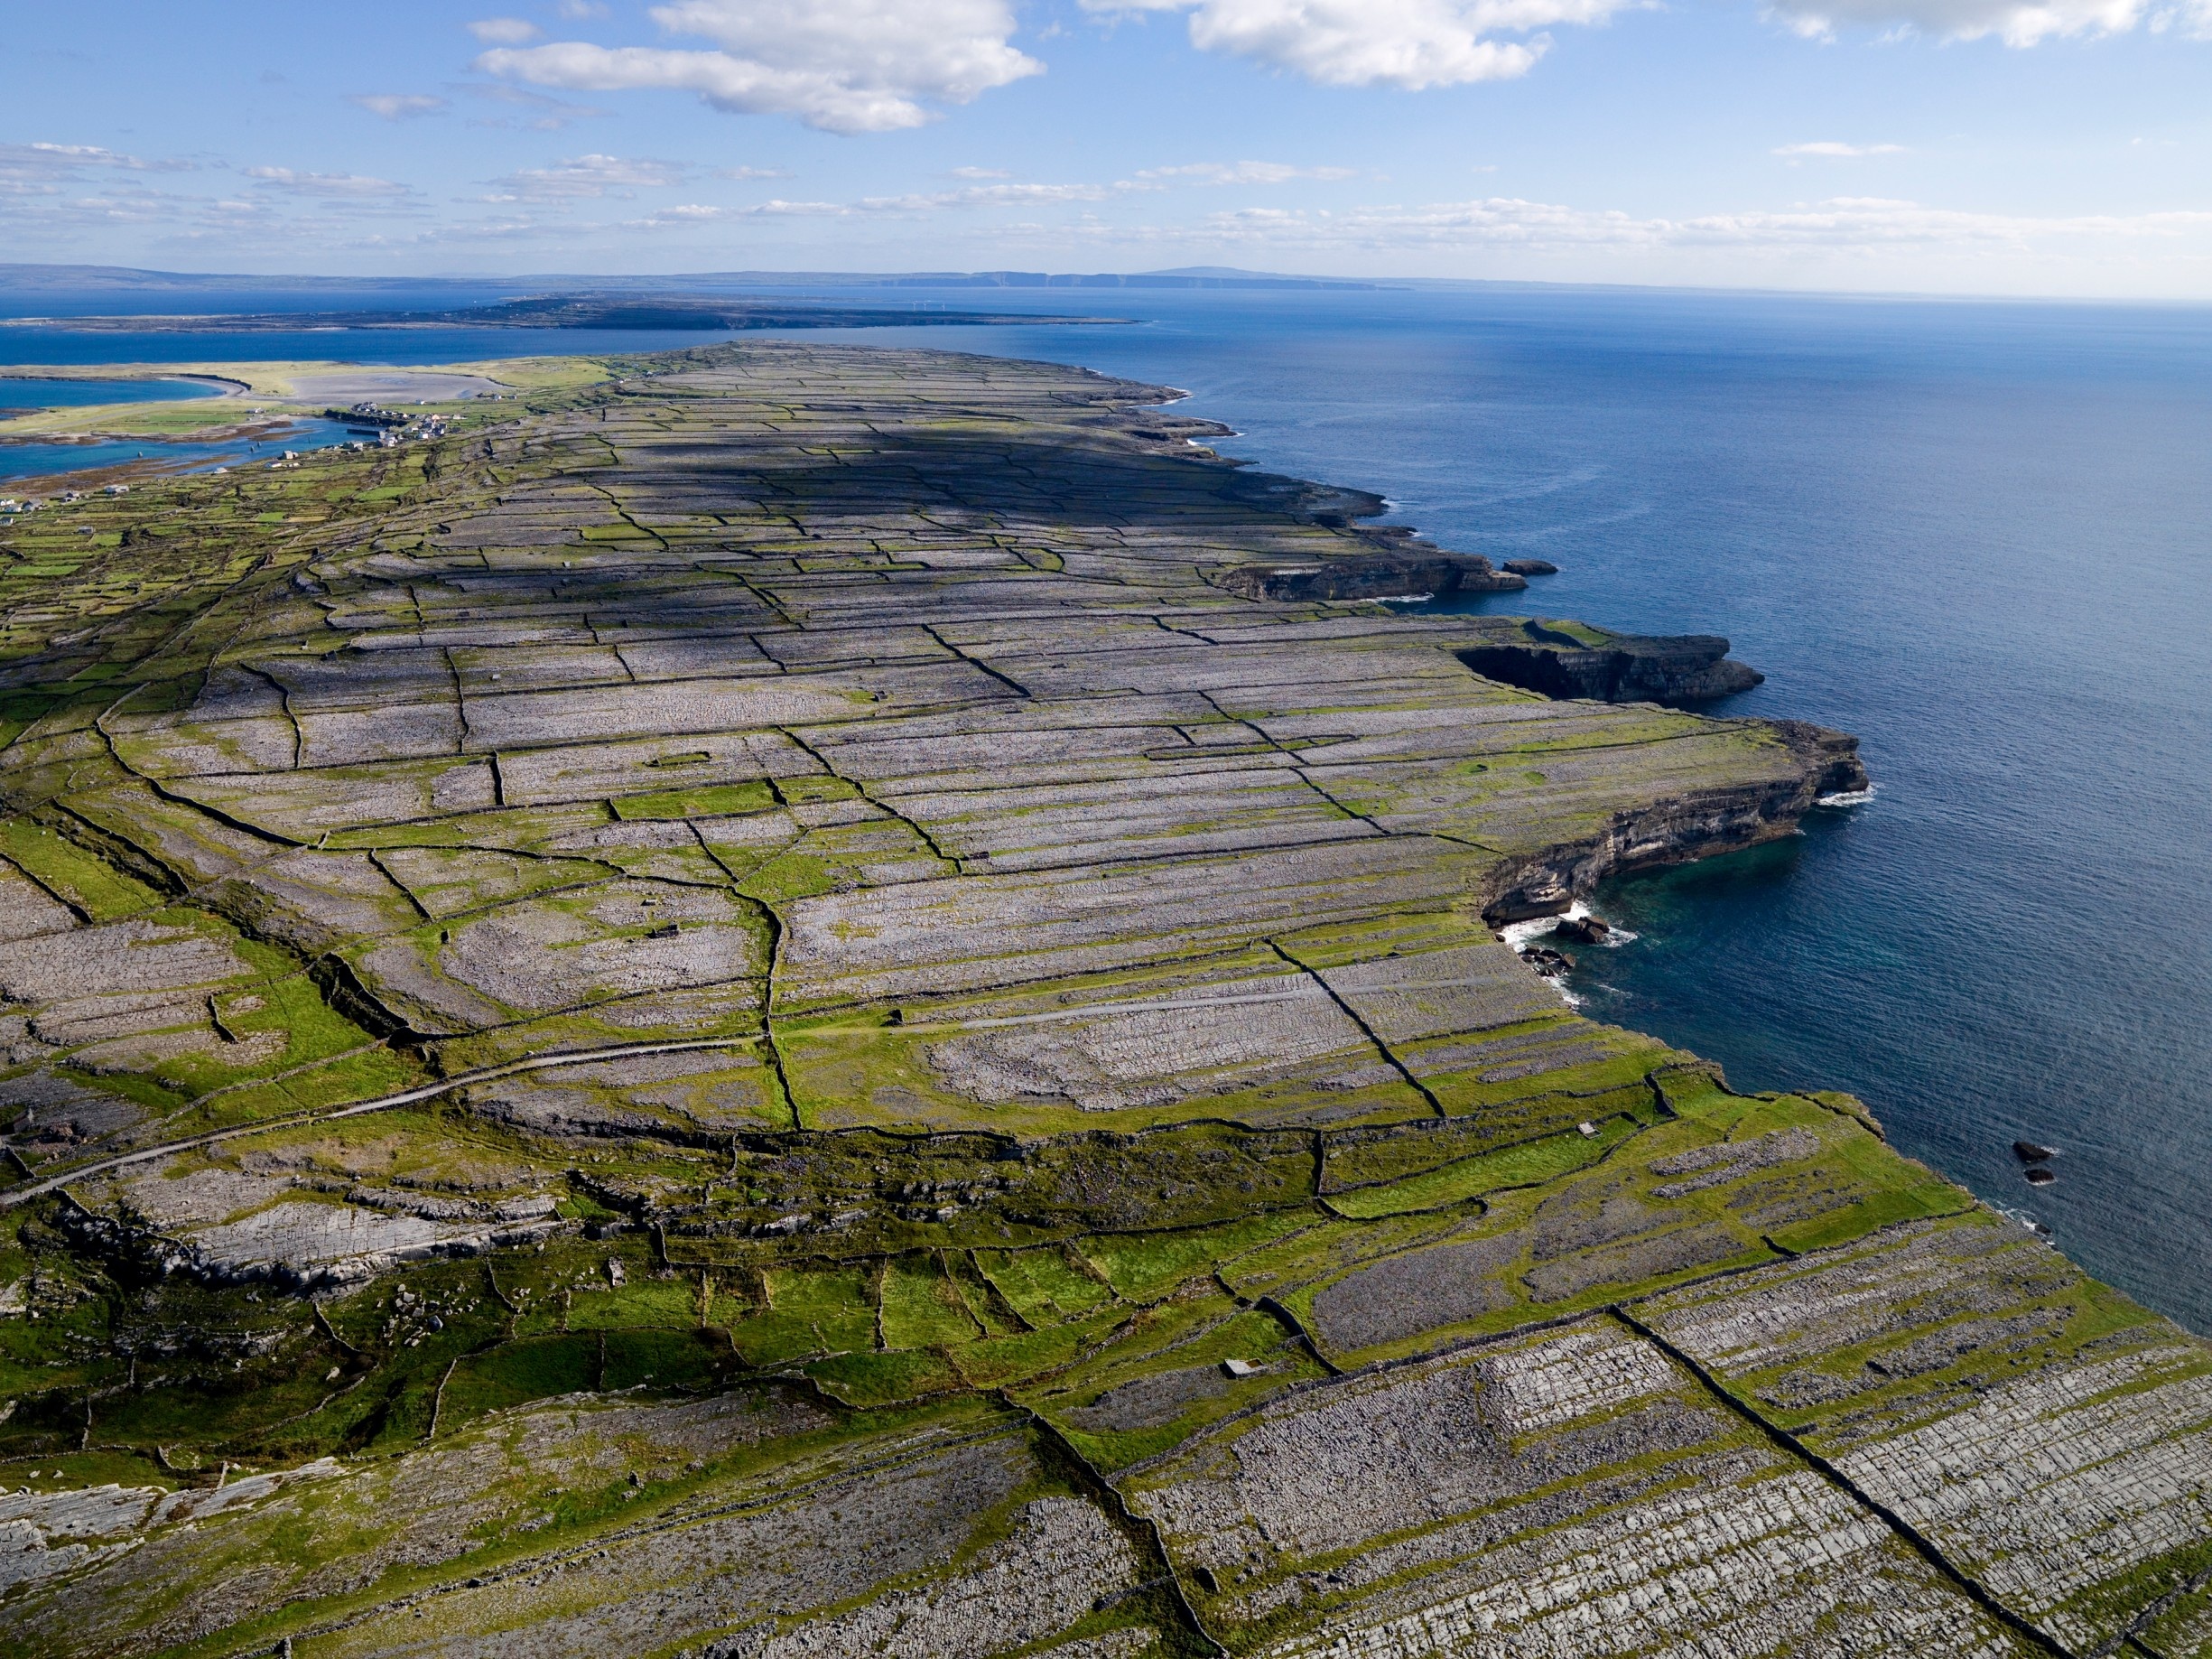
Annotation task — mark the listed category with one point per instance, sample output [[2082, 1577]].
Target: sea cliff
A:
[[754, 1007]]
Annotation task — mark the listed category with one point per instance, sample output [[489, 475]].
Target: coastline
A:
[[190, 435], [225, 386], [1078, 936]]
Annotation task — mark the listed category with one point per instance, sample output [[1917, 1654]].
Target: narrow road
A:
[[382, 1102]]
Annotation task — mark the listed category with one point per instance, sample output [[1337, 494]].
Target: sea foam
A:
[[1521, 935]]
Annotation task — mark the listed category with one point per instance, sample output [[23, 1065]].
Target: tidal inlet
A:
[[791, 998]]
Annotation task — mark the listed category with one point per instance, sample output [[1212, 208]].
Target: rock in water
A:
[[1531, 567], [1583, 929], [1575, 661], [2028, 1151]]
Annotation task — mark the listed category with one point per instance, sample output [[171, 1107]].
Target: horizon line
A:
[[13, 275]]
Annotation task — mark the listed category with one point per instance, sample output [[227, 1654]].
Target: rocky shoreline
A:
[[1682, 831], [767, 1006], [1577, 660]]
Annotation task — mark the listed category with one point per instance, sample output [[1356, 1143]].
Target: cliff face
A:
[[1831, 757], [1380, 575], [1697, 823], [1608, 667]]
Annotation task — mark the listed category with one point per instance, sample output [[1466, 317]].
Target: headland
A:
[[755, 1006]]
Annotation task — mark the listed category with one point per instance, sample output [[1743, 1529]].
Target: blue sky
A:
[[1986, 146]]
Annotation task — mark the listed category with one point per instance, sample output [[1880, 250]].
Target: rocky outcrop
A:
[[1693, 827], [1382, 576], [297, 1245], [1608, 667], [1531, 567], [1830, 757]]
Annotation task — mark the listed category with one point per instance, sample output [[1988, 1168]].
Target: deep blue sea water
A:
[[1980, 536]]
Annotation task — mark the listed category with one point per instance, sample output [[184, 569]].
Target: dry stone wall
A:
[[756, 1008]]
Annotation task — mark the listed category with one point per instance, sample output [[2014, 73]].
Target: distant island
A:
[[613, 312]]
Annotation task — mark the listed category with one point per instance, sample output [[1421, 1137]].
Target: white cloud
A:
[[973, 196], [1246, 173], [685, 213], [2016, 23], [576, 11], [504, 31], [1847, 225], [992, 196], [845, 66], [75, 155], [1867, 221], [586, 175], [1828, 147], [1412, 45], [345, 185], [546, 114], [752, 172], [398, 106], [48, 162], [981, 173], [517, 228]]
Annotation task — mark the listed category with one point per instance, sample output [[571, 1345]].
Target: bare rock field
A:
[[764, 1006]]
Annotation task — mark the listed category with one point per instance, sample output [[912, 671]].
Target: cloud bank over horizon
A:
[[2019, 23]]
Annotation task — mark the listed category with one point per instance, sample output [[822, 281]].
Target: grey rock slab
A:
[[547, 954], [1236, 1033], [683, 707], [649, 765], [982, 930], [116, 957], [833, 1542], [303, 1238], [27, 910], [304, 806], [1436, 993], [86, 1512], [2050, 1487]]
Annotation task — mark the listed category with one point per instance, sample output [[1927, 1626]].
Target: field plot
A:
[[746, 1010]]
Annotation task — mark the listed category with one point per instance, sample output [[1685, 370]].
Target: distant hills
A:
[[82, 279], [663, 312]]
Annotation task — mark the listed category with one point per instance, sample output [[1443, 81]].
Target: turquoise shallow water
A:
[[33, 394], [40, 461], [1978, 535]]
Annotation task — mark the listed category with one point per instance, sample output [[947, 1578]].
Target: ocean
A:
[[1977, 535]]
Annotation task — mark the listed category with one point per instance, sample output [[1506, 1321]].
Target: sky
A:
[[2029, 147]]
